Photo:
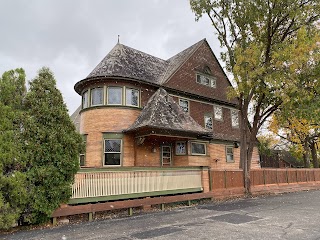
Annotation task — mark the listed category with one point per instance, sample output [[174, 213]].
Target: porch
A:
[[98, 185]]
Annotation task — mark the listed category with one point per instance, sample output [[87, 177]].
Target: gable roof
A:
[[162, 112], [177, 60]]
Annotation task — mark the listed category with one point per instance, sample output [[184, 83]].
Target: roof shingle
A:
[[162, 112], [123, 61]]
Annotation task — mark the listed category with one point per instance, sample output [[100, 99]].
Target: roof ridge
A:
[[142, 52]]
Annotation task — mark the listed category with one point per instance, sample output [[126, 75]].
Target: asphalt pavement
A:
[[286, 216]]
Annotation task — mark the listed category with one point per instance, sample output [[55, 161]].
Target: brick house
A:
[[140, 110]]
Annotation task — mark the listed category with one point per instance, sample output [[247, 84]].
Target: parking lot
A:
[[287, 216]]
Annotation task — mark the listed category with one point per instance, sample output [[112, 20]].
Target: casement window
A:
[[208, 122], [229, 154], [132, 97], [234, 118], [184, 104], [96, 96], [217, 110], [181, 148], [85, 100], [112, 152], [114, 95], [198, 148], [206, 80]]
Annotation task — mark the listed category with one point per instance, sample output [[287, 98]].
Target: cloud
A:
[[71, 37]]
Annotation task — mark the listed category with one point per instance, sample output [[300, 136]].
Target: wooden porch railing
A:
[[102, 185]]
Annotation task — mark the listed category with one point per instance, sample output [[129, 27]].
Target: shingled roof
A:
[[162, 112], [124, 61]]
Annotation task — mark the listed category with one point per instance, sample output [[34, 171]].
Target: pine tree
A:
[[52, 145], [13, 194]]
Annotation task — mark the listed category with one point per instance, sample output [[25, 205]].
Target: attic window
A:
[[206, 80], [207, 70]]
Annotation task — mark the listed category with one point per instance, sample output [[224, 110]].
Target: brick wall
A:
[[95, 122], [184, 78], [198, 110], [218, 158]]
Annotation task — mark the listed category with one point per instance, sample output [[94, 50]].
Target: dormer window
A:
[[209, 81]]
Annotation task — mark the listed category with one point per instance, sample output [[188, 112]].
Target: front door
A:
[[166, 155]]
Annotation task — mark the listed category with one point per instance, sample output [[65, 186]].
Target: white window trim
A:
[[183, 99], [185, 145], [104, 152], [204, 119], [211, 79], [91, 97], [214, 113], [126, 97], [231, 113], [111, 104], [198, 154], [232, 154]]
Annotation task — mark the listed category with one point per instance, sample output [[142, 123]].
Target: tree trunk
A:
[[314, 154], [306, 159], [245, 156]]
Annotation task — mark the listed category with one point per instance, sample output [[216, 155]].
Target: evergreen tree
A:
[[52, 145], [13, 194]]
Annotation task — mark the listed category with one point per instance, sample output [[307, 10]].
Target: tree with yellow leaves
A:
[[269, 44]]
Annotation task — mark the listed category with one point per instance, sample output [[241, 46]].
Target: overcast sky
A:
[[72, 36]]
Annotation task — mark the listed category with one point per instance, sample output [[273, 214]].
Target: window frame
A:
[[138, 101], [87, 99], [234, 112], [104, 152], [198, 154], [91, 96], [214, 112], [205, 123], [83, 154], [108, 94], [171, 160], [212, 80], [188, 102], [185, 148], [232, 154]]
